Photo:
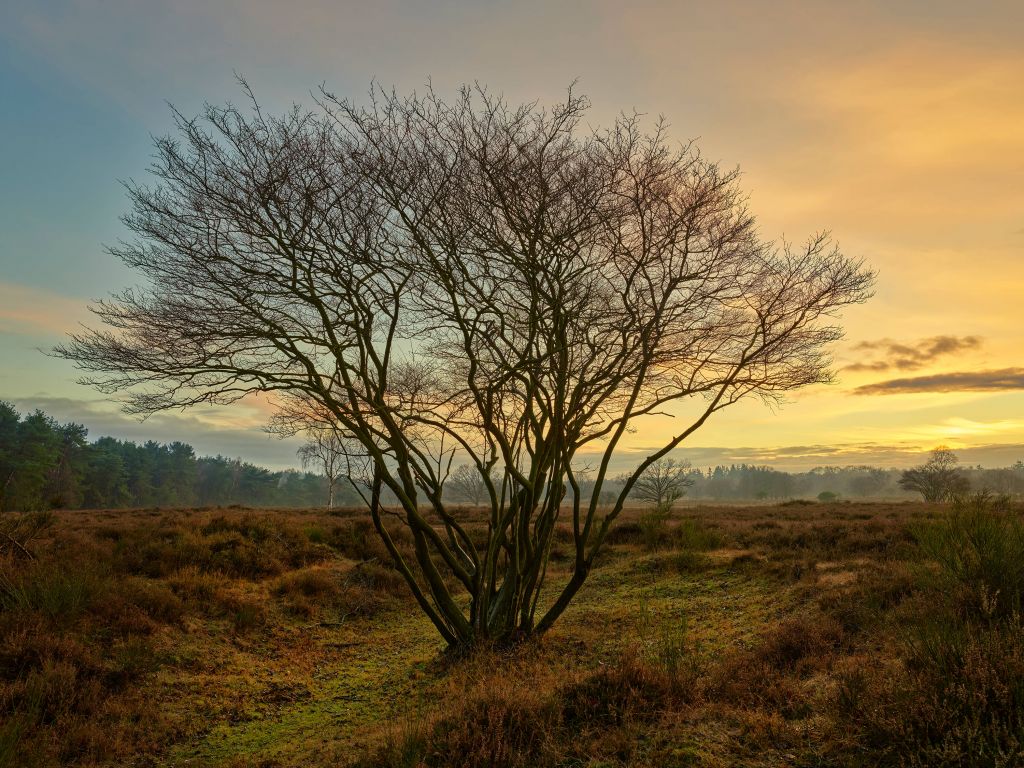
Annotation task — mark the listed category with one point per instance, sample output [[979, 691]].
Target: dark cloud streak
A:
[[912, 356], [800, 458], [961, 381]]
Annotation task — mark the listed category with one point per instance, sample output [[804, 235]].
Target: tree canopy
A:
[[663, 482], [463, 279], [938, 479]]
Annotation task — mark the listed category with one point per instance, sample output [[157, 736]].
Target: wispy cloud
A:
[[910, 356], [34, 311], [898, 453], [962, 381], [959, 427]]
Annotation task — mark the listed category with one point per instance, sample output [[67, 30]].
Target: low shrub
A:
[[191, 584], [358, 539], [693, 535], [246, 614], [979, 548], [799, 639], [509, 721], [307, 592], [959, 701], [684, 561], [316, 534], [59, 593], [248, 546], [768, 675], [137, 606], [630, 690], [18, 531], [654, 529], [625, 532], [379, 578], [867, 604], [363, 590]]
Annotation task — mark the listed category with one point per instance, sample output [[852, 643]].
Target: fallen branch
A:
[[18, 546]]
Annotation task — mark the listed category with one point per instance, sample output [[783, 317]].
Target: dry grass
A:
[[117, 609], [804, 635]]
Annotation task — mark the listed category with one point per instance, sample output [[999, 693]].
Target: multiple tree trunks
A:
[[462, 282]]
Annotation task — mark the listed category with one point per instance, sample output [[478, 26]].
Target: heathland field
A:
[[793, 634]]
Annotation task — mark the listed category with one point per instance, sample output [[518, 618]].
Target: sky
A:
[[899, 127]]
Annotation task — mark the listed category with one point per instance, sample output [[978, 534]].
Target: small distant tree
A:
[[325, 452], [663, 483], [827, 496], [465, 483], [938, 479]]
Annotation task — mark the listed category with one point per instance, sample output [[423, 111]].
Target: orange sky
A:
[[900, 130]]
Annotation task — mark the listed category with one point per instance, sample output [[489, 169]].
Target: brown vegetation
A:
[[760, 636]]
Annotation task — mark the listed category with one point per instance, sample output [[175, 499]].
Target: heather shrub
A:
[[693, 535], [957, 701], [510, 721], [979, 548], [654, 529]]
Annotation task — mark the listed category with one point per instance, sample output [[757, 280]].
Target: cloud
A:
[[911, 356], [965, 381], [33, 311], [790, 456], [957, 427], [800, 458]]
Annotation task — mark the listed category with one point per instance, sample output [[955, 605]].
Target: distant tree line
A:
[[48, 465], [748, 481], [936, 480], [939, 479]]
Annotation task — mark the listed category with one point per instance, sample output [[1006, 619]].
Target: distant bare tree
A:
[[463, 277], [325, 451], [938, 479], [663, 483], [466, 484]]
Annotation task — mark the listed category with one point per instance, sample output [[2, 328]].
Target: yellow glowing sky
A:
[[901, 130]]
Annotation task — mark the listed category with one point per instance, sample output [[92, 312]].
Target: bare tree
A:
[[465, 277], [467, 484], [325, 451], [663, 483], [938, 479]]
